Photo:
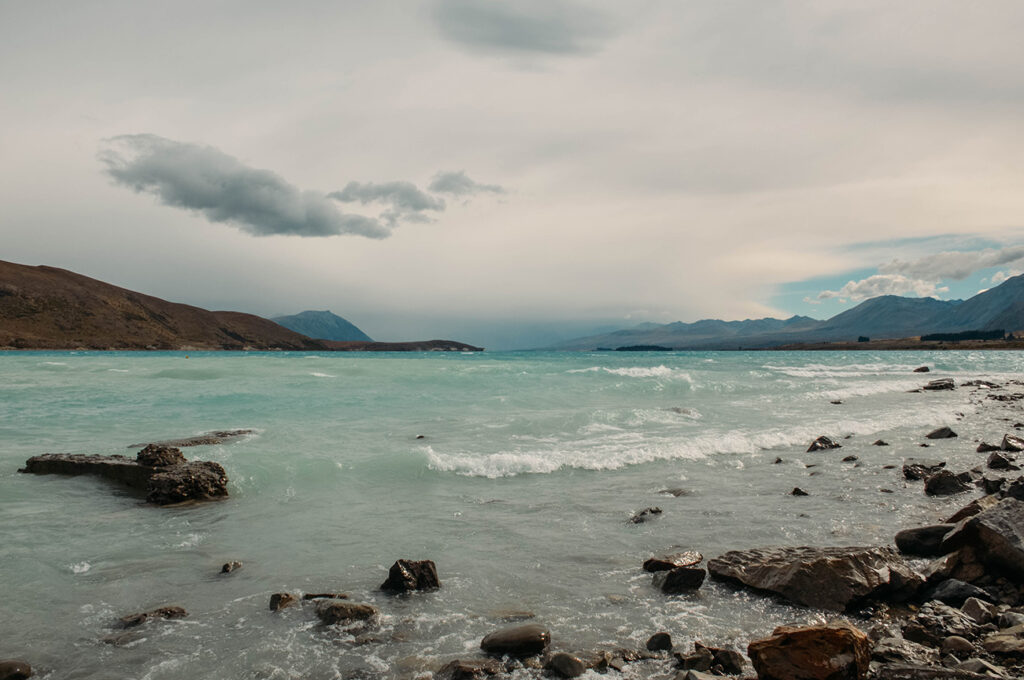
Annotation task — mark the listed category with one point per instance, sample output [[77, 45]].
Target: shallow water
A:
[[521, 490]]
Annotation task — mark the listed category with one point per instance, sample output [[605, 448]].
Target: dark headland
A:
[[55, 309]]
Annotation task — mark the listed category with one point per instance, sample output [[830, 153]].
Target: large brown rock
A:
[[15, 669], [342, 611], [996, 535], [521, 641], [828, 578], [945, 483], [835, 651], [406, 575], [195, 481], [919, 468], [157, 455]]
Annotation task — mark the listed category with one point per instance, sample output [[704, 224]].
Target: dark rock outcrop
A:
[[279, 601], [229, 567], [1012, 442], [822, 443], [679, 580], [919, 468], [922, 369], [941, 433], [828, 578], [955, 592], [996, 535], [825, 652], [940, 384], [797, 491], [331, 612], [406, 575], [923, 541], [688, 558], [164, 483], [659, 642], [521, 641], [172, 612], [15, 669], [945, 483], [985, 447], [206, 439]]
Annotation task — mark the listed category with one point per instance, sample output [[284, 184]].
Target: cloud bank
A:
[[223, 189], [883, 284], [406, 202]]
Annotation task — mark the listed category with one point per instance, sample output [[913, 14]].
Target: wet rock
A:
[[474, 669], [700, 659], [998, 460], [207, 439], [156, 455], [836, 402], [679, 580], [822, 443], [997, 536], [940, 384], [991, 484], [172, 612], [163, 485], [899, 650], [879, 442], [665, 562], [325, 596], [797, 491], [521, 641], [279, 601], [659, 642], [941, 433], [728, 661], [406, 575], [824, 652], [945, 483], [331, 612], [1012, 442], [935, 621], [923, 541], [850, 459], [14, 669], [827, 578], [565, 665], [645, 515], [922, 369], [919, 468], [230, 567], [955, 592], [973, 508], [985, 447], [777, 461], [675, 493], [960, 564]]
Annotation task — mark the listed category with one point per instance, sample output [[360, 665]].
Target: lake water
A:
[[521, 490]]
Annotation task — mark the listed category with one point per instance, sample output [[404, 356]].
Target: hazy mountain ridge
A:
[[887, 316], [323, 325]]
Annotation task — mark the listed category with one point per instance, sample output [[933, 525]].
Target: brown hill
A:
[[49, 308]]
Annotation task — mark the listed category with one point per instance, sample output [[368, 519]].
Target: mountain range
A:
[[322, 325], [887, 316]]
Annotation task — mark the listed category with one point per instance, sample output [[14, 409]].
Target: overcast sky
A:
[[427, 168]]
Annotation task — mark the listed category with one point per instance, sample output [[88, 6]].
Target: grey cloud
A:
[[223, 189], [460, 184], [524, 26], [954, 265], [407, 202]]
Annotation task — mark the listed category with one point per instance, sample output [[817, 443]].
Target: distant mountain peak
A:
[[323, 325]]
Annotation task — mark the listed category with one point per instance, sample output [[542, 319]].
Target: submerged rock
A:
[[521, 641], [229, 567], [206, 439], [679, 580], [279, 601], [342, 611], [172, 612], [825, 652], [15, 669], [474, 669], [797, 491], [665, 562], [940, 384], [879, 442], [922, 369], [645, 515], [822, 443], [406, 575], [828, 578], [565, 665]]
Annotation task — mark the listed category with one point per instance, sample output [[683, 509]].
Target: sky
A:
[[510, 173]]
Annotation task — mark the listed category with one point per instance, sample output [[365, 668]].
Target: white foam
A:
[[322, 375], [119, 370], [80, 567], [638, 372]]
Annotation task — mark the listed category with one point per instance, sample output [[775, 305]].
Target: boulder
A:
[[521, 641], [279, 601], [343, 611], [688, 558], [565, 665], [940, 384], [1012, 442], [162, 484], [822, 443], [962, 564], [998, 460], [15, 669], [981, 667], [695, 675], [958, 646], [828, 578], [406, 575], [978, 609], [955, 592], [700, 659], [835, 651], [475, 669], [229, 567], [945, 483], [172, 612], [659, 642], [1008, 642], [679, 580], [156, 455], [996, 535], [797, 491], [645, 515], [941, 433], [922, 369], [923, 541], [919, 468]]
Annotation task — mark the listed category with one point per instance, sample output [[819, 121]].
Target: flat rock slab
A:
[[827, 578], [826, 652], [206, 439], [164, 484]]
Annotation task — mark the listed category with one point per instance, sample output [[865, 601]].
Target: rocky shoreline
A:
[[946, 602]]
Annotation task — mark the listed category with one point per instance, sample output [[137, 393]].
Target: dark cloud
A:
[[460, 184], [223, 189], [406, 201], [549, 26]]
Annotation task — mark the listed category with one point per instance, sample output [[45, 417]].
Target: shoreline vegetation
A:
[[946, 602]]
